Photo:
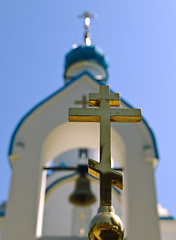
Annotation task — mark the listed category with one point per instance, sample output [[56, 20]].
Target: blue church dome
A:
[[88, 59], [86, 53]]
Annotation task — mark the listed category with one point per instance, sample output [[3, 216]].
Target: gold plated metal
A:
[[106, 110], [106, 225]]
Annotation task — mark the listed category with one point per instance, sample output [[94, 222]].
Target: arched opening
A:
[[66, 137], [59, 212], [79, 135]]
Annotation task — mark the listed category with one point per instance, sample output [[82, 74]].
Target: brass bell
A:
[[106, 225], [82, 195]]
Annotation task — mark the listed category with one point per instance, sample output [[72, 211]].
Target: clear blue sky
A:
[[139, 38]]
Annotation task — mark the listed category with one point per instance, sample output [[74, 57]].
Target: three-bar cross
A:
[[105, 111]]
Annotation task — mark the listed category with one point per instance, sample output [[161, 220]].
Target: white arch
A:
[[79, 135]]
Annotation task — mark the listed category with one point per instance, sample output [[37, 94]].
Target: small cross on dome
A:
[[87, 16]]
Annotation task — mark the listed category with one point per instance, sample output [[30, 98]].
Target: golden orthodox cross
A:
[[84, 101], [105, 113]]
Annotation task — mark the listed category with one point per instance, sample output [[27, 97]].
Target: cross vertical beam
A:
[[105, 155]]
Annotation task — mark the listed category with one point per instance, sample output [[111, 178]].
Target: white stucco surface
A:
[[168, 229]]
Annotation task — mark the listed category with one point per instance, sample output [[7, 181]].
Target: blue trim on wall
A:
[[59, 180], [117, 190], [149, 129], [45, 100], [60, 90], [70, 176], [166, 218], [2, 214]]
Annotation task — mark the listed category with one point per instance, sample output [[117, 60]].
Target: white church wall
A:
[[57, 214], [2, 218], [168, 229], [139, 199]]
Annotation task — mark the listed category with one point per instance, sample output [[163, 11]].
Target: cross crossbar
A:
[[104, 94], [94, 114]]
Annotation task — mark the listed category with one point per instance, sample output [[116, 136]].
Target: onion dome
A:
[[85, 58]]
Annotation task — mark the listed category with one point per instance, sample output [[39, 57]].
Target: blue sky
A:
[[139, 38]]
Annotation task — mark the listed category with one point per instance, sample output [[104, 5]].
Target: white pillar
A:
[[23, 204], [142, 217]]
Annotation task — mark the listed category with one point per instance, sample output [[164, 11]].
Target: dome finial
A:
[[87, 16]]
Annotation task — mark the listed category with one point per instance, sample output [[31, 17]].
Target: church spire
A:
[[86, 58], [87, 16]]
